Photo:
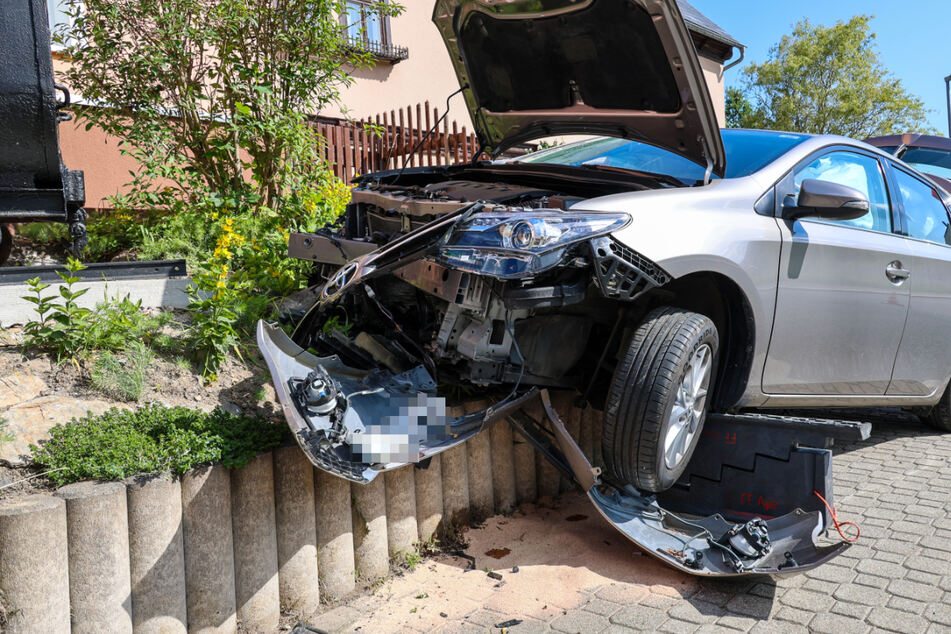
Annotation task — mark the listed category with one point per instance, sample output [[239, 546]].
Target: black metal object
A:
[[622, 273], [34, 183], [139, 270], [756, 465], [702, 526]]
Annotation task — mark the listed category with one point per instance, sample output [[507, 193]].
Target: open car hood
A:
[[622, 68]]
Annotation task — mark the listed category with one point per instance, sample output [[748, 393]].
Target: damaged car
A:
[[664, 270]]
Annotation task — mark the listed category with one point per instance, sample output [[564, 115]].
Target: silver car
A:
[[661, 267]]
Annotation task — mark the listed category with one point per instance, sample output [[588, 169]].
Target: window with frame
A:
[[58, 12], [926, 217], [367, 29], [857, 171], [362, 24]]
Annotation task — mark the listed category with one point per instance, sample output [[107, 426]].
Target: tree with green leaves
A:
[[204, 93], [213, 100], [826, 80]]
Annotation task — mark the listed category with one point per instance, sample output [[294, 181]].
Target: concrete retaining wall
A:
[[221, 548]]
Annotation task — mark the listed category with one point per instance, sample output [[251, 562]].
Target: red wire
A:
[[838, 524]]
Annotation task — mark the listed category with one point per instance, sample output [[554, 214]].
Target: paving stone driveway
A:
[[576, 574]]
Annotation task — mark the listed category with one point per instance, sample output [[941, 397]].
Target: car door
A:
[[843, 291], [924, 357]]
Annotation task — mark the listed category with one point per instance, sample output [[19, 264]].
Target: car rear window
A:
[[747, 151]]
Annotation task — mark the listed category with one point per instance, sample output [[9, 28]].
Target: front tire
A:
[[658, 398], [940, 415]]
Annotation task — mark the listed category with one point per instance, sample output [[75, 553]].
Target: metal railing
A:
[[380, 49]]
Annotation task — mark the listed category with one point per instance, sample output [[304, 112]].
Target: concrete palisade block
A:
[[503, 466], [209, 551], [479, 463], [34, 564], [98, 533], [402, 532], [334, 536], [156, 555], [370, 538], [526, 476], [255, 545], [429, 499], [296, 522]]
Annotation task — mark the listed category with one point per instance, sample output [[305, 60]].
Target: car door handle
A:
[[895, 273]]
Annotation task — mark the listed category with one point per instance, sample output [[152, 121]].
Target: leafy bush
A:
[[122, 376], [240, 165], [119, 444], [66, 329]]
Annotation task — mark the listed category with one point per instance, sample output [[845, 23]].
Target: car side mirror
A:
[[826, 200]]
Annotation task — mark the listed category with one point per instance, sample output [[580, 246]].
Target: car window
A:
[[929, 160], [926, 217], [747, 151], [860, 172]]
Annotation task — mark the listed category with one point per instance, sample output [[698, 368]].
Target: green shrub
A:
[[122, 376], [122, 443]]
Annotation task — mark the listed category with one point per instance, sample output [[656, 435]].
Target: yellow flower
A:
[[214, 215], [220, 284]]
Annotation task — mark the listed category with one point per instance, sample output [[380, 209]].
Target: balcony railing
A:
[[380, 50]]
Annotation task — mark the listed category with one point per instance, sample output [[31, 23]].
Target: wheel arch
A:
[[723, 301]]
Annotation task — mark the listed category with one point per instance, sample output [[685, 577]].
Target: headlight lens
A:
[[521, 243]]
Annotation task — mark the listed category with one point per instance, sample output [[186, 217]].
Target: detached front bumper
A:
[[364, 422]]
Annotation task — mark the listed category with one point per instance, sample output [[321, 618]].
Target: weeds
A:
[[5, 434], [66, 329], [122, 376], [63, 326], [118, 444]]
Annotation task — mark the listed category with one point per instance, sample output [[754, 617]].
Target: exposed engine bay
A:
[[520, 307]]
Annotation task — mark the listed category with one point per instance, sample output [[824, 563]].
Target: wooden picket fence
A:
[[386, 140]]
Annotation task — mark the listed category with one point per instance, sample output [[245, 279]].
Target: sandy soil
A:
[[563, 554]]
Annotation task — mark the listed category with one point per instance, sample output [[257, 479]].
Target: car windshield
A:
[[747, 151], [929, 160]]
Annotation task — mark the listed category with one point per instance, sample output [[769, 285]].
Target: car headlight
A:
[[521, 243]]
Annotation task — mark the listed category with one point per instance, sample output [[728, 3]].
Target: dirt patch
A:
[[18, 481], [26, 252], [243, 386], [551, 567], [37, 392]]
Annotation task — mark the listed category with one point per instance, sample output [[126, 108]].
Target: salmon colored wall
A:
[[426, 75], [97, 154]]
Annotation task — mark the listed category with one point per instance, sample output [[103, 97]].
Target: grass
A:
[[119, 444], [122, 375], [5, 434]]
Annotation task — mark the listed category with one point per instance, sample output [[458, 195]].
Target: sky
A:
[[913, 37]]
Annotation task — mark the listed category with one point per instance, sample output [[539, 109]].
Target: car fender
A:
[[711, 229]]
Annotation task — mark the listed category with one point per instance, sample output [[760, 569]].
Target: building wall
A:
[[713, 73], [426, 75]]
